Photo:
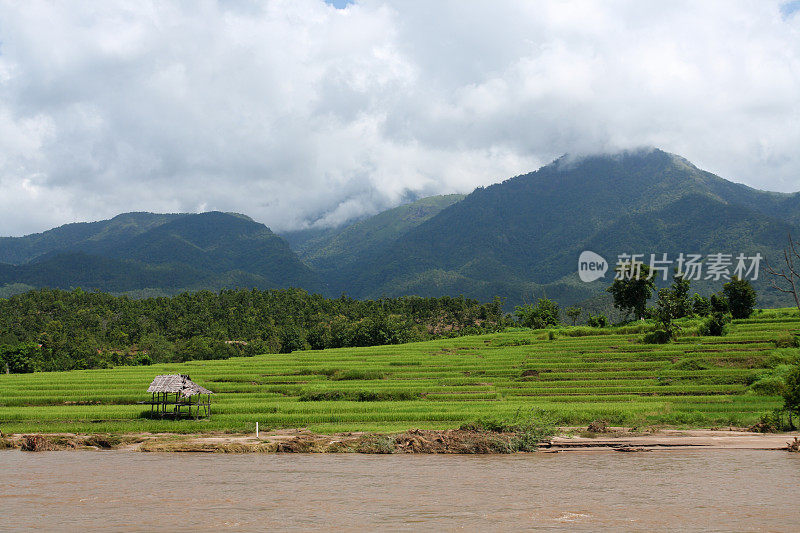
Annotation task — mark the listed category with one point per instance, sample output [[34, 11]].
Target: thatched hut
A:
[[172, 393]]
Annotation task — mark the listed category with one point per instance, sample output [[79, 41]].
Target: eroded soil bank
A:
[[453, 441]]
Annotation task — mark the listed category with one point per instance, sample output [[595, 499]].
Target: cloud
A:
[[299, 112]]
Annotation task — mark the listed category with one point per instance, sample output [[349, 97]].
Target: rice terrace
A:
[[579, 375]]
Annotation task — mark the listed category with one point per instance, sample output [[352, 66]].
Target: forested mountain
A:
[[521, 238], [138, 251], [85, 236]]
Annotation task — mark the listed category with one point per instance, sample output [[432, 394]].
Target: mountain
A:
[[83, 235], [521, 238], [136, 251]]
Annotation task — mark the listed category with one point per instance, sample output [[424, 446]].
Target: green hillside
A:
[[522, 237], [83, 236], [78, 269], [580, 375], [139, 251]]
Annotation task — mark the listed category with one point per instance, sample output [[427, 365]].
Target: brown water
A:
[[130, 491]]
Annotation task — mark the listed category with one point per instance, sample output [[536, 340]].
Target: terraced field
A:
[[580, 375]]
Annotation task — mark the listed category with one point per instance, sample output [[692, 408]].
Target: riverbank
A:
[[453, 441]]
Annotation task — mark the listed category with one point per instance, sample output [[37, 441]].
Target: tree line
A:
[[631, 295], [50, 329]]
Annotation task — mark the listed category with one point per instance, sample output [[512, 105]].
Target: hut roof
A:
[[179, 383]]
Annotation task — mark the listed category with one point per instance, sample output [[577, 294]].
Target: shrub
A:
[[599, 321], [357, 396], [528, 434], [658, 336], [714, 326], [342, 375], [791, 392], [782, 357], [531, 434], [691, 363], [777, 420], [786, 340], [544, 313], [769, 385]]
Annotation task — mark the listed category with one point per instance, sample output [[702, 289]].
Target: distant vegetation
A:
[[62, 330]]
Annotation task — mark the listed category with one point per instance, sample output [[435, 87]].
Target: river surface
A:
[[725, 490]]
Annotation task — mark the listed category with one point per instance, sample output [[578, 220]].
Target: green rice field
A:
[[580, 375]]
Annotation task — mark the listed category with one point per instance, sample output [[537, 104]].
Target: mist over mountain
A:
[[519, 239]]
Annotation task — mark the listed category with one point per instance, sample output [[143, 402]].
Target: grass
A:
[[580, 375]]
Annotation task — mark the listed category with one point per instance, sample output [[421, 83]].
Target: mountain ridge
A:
[[519, 238], [184, 251], [531, 228]]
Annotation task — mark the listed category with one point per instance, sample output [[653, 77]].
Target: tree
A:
[[680, 296], [700, 305], [19, 359], [718, 316], [787, 278], [719, 303], [667, 309], [544, 313], [791, 393], [574, 312], [741, 297], [599, 321], [716, 324], [631, 289], [292, 338]]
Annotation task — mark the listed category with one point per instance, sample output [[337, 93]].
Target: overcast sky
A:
[[298, 112]]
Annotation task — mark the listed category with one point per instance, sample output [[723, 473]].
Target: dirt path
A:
[[413, 441], [675, 440]]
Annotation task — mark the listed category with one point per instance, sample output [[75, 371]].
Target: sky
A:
[[306, 113]]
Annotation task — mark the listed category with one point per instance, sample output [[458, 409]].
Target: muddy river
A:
[[725, 490]]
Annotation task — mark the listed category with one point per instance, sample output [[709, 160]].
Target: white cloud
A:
[[297, 113]]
